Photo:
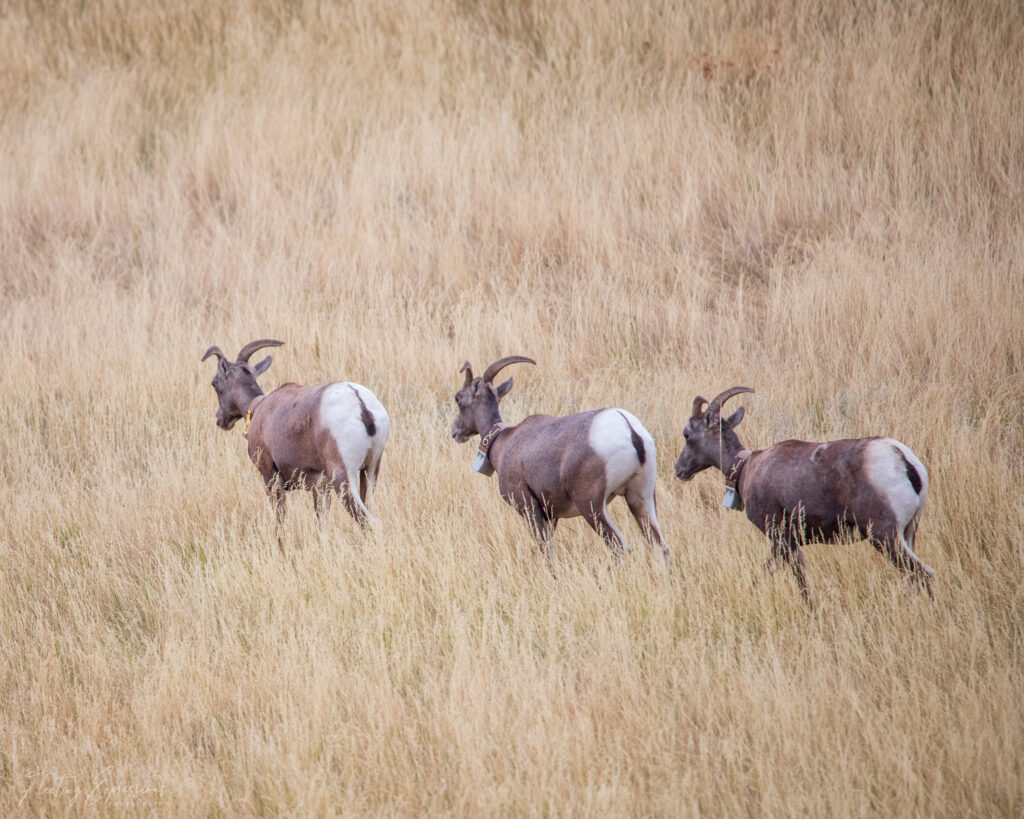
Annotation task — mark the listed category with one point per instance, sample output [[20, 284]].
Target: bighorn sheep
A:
[[800, 492], [319, 438], [551, 468]]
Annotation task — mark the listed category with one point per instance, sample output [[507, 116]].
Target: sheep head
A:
[[235, 381], [477, 400], [707, 434]]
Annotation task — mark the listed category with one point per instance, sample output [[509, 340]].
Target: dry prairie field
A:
[[822, 201]]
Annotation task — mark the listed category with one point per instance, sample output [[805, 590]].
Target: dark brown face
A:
[[235, 385], [224, 384], [703, 436], [696, 455], [467, 400], [464, 425]]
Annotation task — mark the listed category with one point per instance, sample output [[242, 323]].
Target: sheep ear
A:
[[503, 388], [259, 369], [734, 419]]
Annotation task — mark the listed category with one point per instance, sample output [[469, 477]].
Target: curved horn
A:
[[698, 406], [465, 368], [250, 348], [214, 350], [715, 406], [501, 363]]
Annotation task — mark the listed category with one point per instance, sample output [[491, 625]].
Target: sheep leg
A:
[[795, 557], [321, 502], [901, 554], [353, 505], [785, 551], [597, 517], [541, 526], [358, 486], [275, 491], [274, 484], [371, 473], [344, 482], [646, 516], [371, 464], [368, 474], [776, 559], [364, 486], [543, 530], [926, 572]]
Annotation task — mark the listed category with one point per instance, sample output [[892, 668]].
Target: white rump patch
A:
[[888, 474], [611, 439], [341, 414]]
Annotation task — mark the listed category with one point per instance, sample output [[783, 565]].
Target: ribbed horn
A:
[[465, 368], [501, 363], [698, 406], [715, 407], [246, 352], [214, 350]]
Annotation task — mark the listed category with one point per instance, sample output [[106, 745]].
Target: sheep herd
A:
[[329, 439]]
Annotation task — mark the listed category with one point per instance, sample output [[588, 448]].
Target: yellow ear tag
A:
[[248, 420]]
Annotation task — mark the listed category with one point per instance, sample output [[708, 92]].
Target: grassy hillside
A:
[[819, 200]]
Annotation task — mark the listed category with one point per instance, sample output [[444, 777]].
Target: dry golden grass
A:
[[821, 200]]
